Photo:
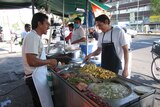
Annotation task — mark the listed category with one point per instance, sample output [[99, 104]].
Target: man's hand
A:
[[87, 58], [125, 73], [52, 63], [83, 39]]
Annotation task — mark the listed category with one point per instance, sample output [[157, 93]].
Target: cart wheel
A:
[[155, 68]]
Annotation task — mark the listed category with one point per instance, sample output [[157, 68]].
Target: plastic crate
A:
[[84, 48]]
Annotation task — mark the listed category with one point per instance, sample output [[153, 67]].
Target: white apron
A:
[[40, 82]]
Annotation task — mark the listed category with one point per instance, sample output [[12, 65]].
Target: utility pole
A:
[[33, 7], [117, 6], [137, 14], [87, 7]]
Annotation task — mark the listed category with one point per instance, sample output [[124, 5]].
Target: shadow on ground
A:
[[13, 90], [15, 94], [144, 79]]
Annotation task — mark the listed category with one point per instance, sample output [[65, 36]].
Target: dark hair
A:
[[27, 25], [77, 18], [70, 25], [38, 17], [103, 18]]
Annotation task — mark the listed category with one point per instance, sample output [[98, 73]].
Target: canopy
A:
[[55, 6], [14, 4]]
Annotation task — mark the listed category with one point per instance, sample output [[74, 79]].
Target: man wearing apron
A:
[[32, 50], [113, 45]]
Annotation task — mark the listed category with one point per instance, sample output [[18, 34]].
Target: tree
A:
[[155, 7]]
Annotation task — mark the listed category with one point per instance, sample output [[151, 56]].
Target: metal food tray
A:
[[72, 97], [65, 95]]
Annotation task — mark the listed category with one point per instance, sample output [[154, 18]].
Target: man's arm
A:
[[95, 53], [35, 62], [83, 39], [126, 57]]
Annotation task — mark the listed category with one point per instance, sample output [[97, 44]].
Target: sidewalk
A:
[[7, 47], [13, 90], [149, 34], [15, 94]]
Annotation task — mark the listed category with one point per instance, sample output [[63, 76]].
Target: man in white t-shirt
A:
[[32, 50], [78, 34], [27, 28], [113, 46], [129, 41]]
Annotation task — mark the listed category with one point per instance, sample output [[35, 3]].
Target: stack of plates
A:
[[142, 89]]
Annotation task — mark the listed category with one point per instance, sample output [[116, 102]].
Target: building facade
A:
[[132, 12]]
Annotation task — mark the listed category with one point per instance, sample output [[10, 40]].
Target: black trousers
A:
[[30, 84]]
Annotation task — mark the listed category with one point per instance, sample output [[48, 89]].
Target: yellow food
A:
[[97, 71]]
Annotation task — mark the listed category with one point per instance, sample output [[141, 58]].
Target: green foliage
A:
[[16, 26], [155, 7]]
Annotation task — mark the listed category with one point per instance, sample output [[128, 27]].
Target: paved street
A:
[[14, 92], [141, 61]]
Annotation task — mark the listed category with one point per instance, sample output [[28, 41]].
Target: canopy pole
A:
[[33, 7], [87, 5], [49, 41], [63, 24]]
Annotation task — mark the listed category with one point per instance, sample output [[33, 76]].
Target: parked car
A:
[[128, 29], [154, 31], [131, 32]]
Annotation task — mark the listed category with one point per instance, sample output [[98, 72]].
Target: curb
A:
[[149, 34], [3, 52]]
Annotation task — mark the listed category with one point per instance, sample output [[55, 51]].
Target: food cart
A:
[[68, 94]]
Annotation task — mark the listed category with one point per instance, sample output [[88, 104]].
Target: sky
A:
[[14, 20], [15, 15]]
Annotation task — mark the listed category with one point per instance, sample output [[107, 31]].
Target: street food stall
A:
[[78, 84], [75, 85], [86, 85], [92, 86]]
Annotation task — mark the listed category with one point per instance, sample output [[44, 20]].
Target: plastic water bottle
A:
[[50, 82]]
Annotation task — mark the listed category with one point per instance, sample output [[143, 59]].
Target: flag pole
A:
[[87, 5], [33, 7]]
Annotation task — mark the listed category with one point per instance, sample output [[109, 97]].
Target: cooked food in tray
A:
[[98, 71], [110, 90], [82, 86], [97, 99], [76, 80], [86, 75], [82, 77]]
